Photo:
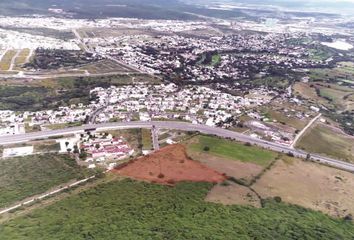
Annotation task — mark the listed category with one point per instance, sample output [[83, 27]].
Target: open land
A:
[[309, 185], [329, 141], [168, 166]]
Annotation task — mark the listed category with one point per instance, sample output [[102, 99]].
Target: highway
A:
[[173, 125]]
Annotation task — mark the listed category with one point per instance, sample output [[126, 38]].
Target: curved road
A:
[[5, 140]]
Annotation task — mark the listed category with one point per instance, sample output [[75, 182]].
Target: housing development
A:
[[245, 109]]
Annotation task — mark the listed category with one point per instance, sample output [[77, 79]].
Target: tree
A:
[[69, 150], [348, 217], [76, 150], [97, 146], [290, 154], [206, 149], [66, 144], [83, 154]]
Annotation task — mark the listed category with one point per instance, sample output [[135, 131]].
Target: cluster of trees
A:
[[23, 177], [137, 210], [57, 58]]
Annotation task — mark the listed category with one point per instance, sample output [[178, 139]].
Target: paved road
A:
[[155, 138], [5, 140]]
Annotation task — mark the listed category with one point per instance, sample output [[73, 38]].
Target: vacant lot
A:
[[106, 66], [282, 118], [22, 177], [169, 165], [328, 141], [307, 91], [229, 193], [309, 185], [146, 140], [137, 210], [243, 171]]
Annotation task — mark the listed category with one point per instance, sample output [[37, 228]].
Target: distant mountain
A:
[[169, 9], [146, 9], [325, 6]]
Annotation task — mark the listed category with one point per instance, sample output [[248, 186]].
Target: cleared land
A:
[[22, 177], [230, 193], [137, 210], [240, 170], [39, 146], [309, 185], [329, 141], [168, 166]]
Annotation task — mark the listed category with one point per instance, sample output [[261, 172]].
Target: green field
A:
[[21, 58], [6, 60], [216, 59], [136, 210], [324, 140], [232, 150], [22, 177]]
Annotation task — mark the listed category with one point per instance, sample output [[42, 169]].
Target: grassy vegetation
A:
[[47, 147], [21, 58], [232, 150], [328, 142], [106, 66], [136, 210], [63, 125], [320, 54], [22, 177], [274, 81], [280, 117], [216, 59], [334, 90], [6, 60], [146, 139]]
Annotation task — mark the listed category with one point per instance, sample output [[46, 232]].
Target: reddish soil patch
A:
[[175, 166]]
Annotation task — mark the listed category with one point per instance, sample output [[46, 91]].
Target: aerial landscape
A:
[[176, 119]]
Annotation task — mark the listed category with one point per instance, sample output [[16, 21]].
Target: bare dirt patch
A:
[[241, 170], [169, 165], [233, 194], [310, 185]]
